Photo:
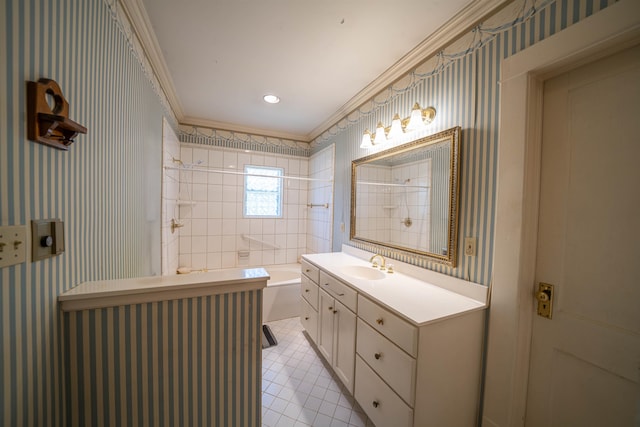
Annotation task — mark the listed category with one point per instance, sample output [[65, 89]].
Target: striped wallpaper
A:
[[464, 90], [188, 362], [106, 188]]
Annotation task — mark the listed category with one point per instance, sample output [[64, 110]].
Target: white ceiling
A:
[[219, 57]]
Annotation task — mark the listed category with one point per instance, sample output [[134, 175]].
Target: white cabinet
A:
[[408, 351], [337, 337], [426, 374], [309, 304]]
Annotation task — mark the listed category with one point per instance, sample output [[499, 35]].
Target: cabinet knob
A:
[[375, 403], [377, 356], [306, 290], [335, 311], [330, 308], [306, 318], [380, 321]]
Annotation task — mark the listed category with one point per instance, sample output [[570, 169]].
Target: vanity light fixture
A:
[[271, 99], [418, 120], [396, 127], [381, 135], [366, 140]]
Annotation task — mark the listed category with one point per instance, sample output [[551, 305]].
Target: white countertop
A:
[[417, 301], [107, 293]]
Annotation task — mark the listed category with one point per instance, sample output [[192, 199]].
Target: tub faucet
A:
[[374, 264]]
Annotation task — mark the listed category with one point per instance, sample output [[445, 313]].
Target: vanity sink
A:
[[361, 272]]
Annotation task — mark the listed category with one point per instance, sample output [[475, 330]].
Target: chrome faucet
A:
[[375, 264]]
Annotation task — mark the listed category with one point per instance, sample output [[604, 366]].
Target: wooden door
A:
[[585, 361]]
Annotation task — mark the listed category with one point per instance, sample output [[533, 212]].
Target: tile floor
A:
[[298, 389]]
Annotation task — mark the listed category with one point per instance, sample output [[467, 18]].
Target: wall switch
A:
[[13, 245], [470, 246], [47, 238]]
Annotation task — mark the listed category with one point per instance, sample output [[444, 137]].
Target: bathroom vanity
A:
[[407, 345]]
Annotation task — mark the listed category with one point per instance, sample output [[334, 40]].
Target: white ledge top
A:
[[419, 301], [109, 293]]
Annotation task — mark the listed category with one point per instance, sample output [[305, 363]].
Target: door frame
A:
[[518, 186]]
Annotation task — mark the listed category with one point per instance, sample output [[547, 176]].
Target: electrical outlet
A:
[[470, 246]]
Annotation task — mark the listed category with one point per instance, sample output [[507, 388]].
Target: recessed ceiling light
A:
[[271, 99]]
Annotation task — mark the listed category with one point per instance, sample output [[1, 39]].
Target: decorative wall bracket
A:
[[48, 115]]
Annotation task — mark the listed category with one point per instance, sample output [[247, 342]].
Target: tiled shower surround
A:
[[215, 233]]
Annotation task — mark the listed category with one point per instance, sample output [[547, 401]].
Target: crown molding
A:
[[137, 15], [447, 33], [466, 19], [229, 127]]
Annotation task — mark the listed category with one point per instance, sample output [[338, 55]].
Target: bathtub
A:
[[281, 297]]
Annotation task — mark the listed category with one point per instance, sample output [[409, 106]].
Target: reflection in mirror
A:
[[405, 198]]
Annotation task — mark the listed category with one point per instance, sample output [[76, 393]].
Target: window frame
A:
[[280, 192]]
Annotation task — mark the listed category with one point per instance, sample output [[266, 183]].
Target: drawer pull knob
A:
[[375, 403], [341, 295], [326, 284], [380, 321], [330, 308], [306, 290], [335, 311], [306, 318], [307, 270], [377, 356]]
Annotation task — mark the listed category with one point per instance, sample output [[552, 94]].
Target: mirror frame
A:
[[396, 251]]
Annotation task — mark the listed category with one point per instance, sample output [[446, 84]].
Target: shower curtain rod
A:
[[382, 184], [230, 172]]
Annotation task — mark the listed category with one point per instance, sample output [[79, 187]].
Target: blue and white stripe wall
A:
[[106, 188], [187, 362], [465, 92]]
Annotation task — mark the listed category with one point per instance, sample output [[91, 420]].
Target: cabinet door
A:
[[344, 350], [325, 325], [309, 320]]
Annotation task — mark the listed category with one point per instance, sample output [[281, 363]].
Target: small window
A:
[[262, 193]]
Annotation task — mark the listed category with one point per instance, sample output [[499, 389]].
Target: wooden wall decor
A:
[[48, 115]]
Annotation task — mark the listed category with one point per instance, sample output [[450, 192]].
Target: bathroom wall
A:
[[106, 188], [212, 213], [462, 83]]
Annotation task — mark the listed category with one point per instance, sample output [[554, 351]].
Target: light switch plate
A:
[[47, 238], [13, 245]]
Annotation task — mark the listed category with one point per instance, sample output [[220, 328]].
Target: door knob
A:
[[543, 296]]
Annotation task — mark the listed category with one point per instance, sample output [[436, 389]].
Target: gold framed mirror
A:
[[405, 199]]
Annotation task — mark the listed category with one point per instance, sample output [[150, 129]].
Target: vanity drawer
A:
[[309, 320], [311, 271], [341, 292], [309, 291], [402, 333], [379, 402], [393, 365]]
